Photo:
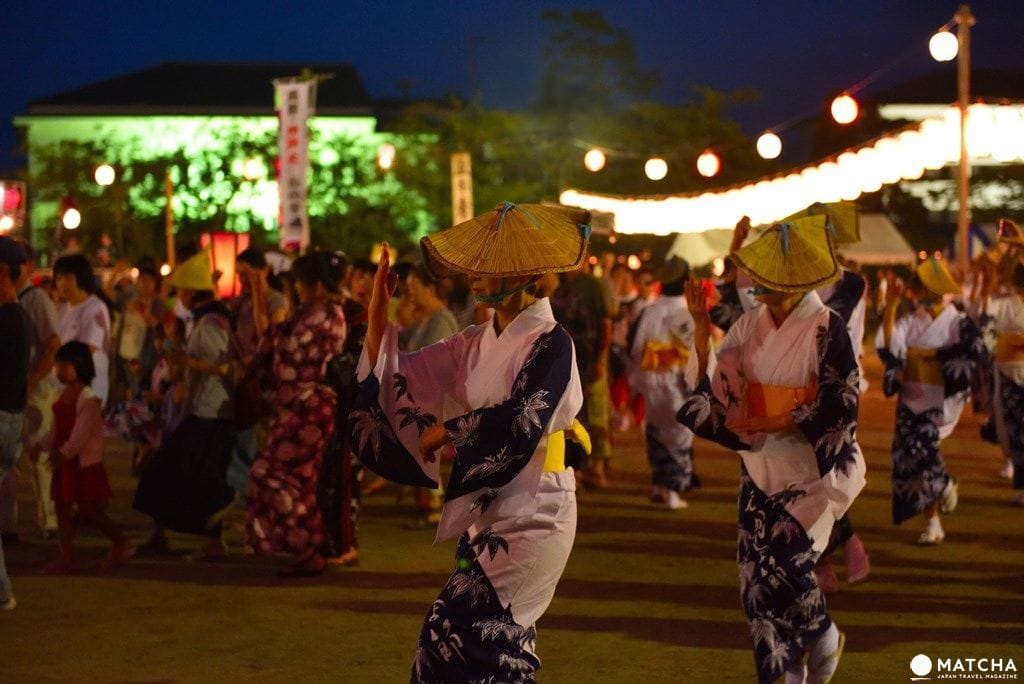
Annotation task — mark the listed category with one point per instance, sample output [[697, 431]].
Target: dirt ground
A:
[[649, 594]]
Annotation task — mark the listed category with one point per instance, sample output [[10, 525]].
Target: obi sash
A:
[[663, 356], [764, 401], [554, 459], [922, 366], [1007, 350]]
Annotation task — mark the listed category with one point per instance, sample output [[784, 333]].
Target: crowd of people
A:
[[517, 358]]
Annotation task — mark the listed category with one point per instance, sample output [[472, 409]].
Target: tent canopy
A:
[[881, 243]]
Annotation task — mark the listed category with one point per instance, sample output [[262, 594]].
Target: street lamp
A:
[[71, 219], [964, 20], [104, 175]]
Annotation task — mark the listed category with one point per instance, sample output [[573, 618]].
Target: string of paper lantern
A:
[[994, 132]]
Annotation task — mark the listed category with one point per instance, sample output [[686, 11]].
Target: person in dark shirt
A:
[[14, 350]]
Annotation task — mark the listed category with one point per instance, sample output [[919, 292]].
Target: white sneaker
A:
[[674, 501], [933, 534], [1007, 472], [823, 659], [950, 496], [9, 604]]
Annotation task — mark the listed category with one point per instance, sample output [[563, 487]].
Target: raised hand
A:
[[432, 439], [697, 303], [740, 233], [384, 284]]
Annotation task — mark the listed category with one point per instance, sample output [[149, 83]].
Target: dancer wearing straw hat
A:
[[845, 296], [783, 391], [929, 356], [1006, 317], [496, 398]]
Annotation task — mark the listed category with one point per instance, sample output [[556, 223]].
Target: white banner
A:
[[462, 187], [294, 101]]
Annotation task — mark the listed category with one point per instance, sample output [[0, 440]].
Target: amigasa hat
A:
[[512, 240], [792, 256], [194, 273], [934, 275], [840, 220]]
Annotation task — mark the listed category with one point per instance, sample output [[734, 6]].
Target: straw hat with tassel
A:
[[512, 240], [792, 256], [194, 273], [840, 220], [934, 275]]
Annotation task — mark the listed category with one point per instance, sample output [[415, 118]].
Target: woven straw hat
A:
[[792, 256], [841, 220], [934, 275], [194, 273], [512, 240]]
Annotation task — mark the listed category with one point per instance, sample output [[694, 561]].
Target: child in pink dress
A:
[[76, 450]]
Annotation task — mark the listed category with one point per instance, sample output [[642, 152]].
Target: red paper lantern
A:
[[224, 250]]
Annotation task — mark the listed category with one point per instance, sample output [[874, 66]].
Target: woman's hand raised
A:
[[384, 284]]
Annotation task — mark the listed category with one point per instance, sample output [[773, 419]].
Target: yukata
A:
[[1008, 394], [283, 511], [505, 401], [661, 347], [793, 485], [929, 362]]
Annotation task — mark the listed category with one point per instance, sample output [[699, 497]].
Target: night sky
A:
[[794, 53]]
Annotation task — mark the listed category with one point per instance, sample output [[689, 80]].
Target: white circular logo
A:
[[921, 665]]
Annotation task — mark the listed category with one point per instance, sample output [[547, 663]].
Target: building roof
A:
[[191, 88], [939, 87]]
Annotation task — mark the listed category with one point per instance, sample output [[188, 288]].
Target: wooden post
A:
[[965, 20]]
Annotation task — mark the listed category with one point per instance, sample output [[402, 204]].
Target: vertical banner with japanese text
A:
[[462, 187], [294, 100]]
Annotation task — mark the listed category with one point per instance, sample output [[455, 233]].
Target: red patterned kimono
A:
[[283, 513]]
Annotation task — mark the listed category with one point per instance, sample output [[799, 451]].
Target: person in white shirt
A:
[[83, 316]]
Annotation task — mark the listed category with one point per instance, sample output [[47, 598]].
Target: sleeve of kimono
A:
[[318, 337], [847, 295], [493, 444], [729, 307], [892, 357], [398, 398], [829, 421], [89, 414], [717, 396], [959, 359]]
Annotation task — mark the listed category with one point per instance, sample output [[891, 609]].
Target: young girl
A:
[[76, 450]]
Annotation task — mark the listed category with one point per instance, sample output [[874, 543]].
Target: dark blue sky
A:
[[795, 53]]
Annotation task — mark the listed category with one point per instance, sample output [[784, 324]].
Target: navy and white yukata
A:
[[501, 398], [794, 485], [930, 401], [1008, 372], [666, 323]]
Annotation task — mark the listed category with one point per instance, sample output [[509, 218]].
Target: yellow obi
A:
[[764, 401], [1010, 349], [923, 366], [554, 459], [663, 356]]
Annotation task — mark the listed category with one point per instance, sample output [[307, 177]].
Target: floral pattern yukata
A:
[[1008, 402], [927, 411], [502, 398], [665, 322], [793, 485], [284, 515]]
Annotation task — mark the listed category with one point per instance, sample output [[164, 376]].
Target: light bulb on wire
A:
[[594, 160], [656, 168], [769, 145], [845, 109], [708, 164]]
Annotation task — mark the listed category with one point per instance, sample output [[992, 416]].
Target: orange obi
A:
[[765, 401], [923, 366], [1010, 349], [663, 356]]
